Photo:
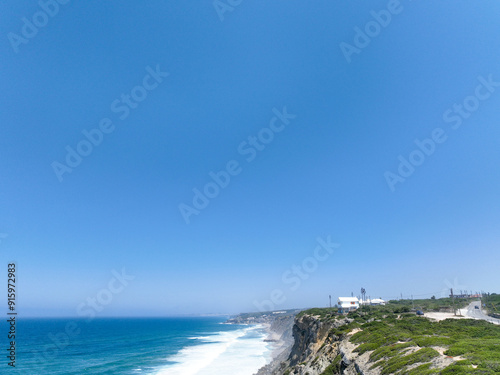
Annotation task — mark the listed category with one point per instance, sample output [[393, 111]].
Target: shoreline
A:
[[278, 328], [281, 345]]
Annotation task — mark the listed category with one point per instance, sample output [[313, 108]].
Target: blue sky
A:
[[323, 175]]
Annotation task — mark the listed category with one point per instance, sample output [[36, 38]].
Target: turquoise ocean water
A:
[[155, 346]]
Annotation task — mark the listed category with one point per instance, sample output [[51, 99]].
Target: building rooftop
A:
[[348, 299]]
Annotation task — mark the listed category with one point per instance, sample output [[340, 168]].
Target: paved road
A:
[[472, 312]]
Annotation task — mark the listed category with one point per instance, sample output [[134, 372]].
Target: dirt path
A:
[[468, 312]]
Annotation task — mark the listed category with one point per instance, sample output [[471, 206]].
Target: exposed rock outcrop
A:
[[318, 347]]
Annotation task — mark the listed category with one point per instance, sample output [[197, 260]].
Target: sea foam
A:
[[239, 352]]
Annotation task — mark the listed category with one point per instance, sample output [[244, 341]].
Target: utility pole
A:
[[412, 303], [453, 300], [330, 301]]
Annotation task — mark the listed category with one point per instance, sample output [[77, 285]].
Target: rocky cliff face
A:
[[317, 349], [312, 341], [314, 348], [281, 328]]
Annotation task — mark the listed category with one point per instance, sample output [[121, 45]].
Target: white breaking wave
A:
[[226, 353]]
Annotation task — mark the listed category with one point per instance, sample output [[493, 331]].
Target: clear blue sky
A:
[[323, 175]]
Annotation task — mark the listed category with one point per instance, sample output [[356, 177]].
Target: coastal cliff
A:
[[388, 339], [319, 348]]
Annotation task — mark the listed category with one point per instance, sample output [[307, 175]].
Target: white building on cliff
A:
[[347, 304], [373, 302]]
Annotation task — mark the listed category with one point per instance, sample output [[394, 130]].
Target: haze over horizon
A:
[[304, 207]]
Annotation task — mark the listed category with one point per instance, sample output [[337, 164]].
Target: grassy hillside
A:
[[399, 342], [477, 342], [442, 304]]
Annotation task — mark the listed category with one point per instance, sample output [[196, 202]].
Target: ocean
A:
[[132, 346]]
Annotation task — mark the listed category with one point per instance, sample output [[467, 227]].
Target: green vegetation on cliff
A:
[[334, 367], [431, 304], [400, 342]]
